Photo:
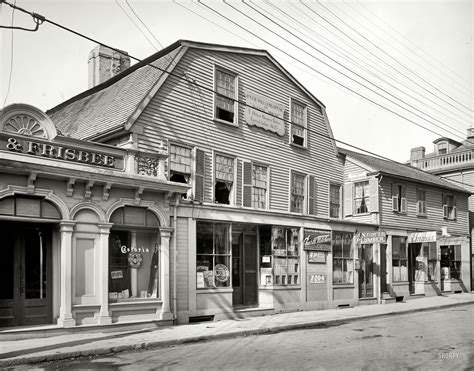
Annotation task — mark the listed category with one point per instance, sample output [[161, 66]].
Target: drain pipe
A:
[[175, 256]]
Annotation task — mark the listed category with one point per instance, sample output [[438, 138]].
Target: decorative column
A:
[[165, 234], [133, 268], [104, 315], [65, 310]]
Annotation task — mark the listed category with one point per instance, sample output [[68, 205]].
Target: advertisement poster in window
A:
[[317, 257], [317, 240]]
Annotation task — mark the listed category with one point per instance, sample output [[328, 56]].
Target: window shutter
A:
[[404, 202], [374, 195], [445, 211], [247, 184], [199, 175], [455, 215], [404, 205], [394, 203], [348, 199], [239, 183], [457, 252], [311, 195]]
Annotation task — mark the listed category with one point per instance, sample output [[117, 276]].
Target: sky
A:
[[406, 68]]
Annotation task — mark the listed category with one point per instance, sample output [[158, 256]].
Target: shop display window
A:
[[343, 258], [430, 249], [285, 247], [213, 255], [399, 259], [451, 262], [133, 255]]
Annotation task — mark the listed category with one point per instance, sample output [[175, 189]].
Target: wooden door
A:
[[250, 270], [237, 296], [383, 268]]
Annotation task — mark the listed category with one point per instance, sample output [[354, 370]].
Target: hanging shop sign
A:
[[264, 113], [317, 240], [64, 152], [421, 237], [370, 237]]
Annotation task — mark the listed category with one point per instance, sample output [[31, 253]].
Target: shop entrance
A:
[[244, 269], [25, 274]]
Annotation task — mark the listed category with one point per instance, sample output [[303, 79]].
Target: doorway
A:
[[244, 269], [25, 274]]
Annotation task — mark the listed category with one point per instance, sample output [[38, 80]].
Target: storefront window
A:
[[451, 262], [133, 255], [430, 248], [285, 247], [343, 258], [213, 255], [365, 271], [399, 259]]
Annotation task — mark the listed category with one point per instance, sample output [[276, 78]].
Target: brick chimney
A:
[[105, 63], [417, 153]]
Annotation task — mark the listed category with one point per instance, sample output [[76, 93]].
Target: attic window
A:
[[225, 105], [442, 148]]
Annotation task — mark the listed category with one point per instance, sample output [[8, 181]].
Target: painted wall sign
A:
[[421, 237], [317, 257], [316, 239], [370, 237], [61, 152], [254, 116], [317, 278]]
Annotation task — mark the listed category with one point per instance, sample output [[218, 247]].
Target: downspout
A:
[[175, 256]]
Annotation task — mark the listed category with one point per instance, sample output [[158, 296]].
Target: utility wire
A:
[[136, 25], [343, 73], [360, 76], [425, 61], [144, 25], [398, 63], [415, 48], [349, 57], [11, 59], [211, 89]]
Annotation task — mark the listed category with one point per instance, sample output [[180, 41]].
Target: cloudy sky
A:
[[393, 74]]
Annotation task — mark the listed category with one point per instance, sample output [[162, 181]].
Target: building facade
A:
[[454, 161], [424, 239]]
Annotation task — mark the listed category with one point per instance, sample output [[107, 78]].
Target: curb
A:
[[196, 339]]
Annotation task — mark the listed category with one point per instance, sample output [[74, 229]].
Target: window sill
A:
[[362, 214], [216, 290], [220, 121], [135, 301], [280, 287], [424, 216], [400, 212], [343, 285], [299, 146], [451, 219]]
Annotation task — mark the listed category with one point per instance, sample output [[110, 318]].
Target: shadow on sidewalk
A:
[[23, 352]]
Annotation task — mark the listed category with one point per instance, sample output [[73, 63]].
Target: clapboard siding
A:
[[182, 289], [434, 208], [183, 112]]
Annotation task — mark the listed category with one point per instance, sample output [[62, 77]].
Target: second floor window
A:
[[297, 193], [224, 180], [335, 201], [298, 124], [449, 207], [361, 197], [255, 185], [421, 202], [180, 164], [399, 198], [225, 95]]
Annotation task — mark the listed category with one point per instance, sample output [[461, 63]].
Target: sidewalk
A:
[[114, 339]]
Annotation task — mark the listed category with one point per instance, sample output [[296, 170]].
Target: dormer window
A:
[[442, 148]]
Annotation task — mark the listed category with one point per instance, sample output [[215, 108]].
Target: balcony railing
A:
[[445, 161]]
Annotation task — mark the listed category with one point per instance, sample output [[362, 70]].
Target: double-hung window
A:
[[421, 202], [399, 259], [255, 185], [225, 96], [399, 198], [297, 193], [449, 207], [361, 197], [224, 180], [334, 201], [299, 124], [180, 164]]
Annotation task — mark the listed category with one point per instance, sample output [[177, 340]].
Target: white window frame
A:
[[305, 192], [235, 121], [232, 194], [366, 196], [399, 203], [305, 118], [267, 198], [449, 212], [340, 199], [421, 204]]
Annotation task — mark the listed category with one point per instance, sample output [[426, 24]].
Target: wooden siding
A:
[[183, 112], [182, 289], [434, 208]]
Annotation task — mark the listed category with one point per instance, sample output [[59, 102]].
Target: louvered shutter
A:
[[403, 195], [247, 184], [200, 162], [348, 199], [374, 195], [311, 195], [394, 197], [455, 213], [239, 183]]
